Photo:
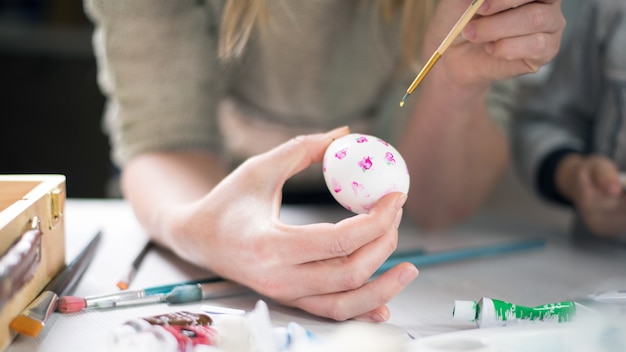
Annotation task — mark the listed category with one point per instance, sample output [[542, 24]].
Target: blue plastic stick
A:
[[421, 258]]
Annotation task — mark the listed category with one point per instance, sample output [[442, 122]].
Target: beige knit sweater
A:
[[319, 65]]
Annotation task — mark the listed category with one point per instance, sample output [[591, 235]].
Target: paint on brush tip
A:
[[488, 312], [406, 95]]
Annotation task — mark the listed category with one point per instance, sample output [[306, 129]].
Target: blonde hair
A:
[[241, 16]]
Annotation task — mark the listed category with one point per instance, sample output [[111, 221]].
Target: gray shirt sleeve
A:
[[558, 114], [158, 70]]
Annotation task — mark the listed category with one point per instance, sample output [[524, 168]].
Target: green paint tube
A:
[[488, 312]]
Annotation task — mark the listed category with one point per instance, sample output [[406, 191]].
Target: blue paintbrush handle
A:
[[421, 258], [168, 288]]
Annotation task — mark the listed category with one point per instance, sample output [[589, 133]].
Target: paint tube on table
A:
[[254, 331], [488, 312], [172, 332], [215, 329]]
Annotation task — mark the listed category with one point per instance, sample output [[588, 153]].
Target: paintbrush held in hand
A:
[[454, 32]]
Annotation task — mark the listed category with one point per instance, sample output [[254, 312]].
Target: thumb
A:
[[605, 178], [300, 152]]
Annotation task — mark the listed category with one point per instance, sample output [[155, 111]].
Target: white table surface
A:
[[556, 272]]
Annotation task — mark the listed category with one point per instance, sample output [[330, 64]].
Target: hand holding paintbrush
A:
[[454, 32], [510, 38]]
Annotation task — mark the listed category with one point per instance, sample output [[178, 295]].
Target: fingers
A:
[[378, 315], [532, 17], [585, 190], [364, 302], [605, 177], [349, 272], [324, 241], [296, 154], [530, 31], [338, 258], [495, 6], [528, 17], [599, 199], [598, 183], [330, 261]]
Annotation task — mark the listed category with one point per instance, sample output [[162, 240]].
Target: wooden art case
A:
[[32, 241]]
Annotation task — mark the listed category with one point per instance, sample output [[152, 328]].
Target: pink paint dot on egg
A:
[[341, 154], [336, 186], [390, 159], [365, 163]]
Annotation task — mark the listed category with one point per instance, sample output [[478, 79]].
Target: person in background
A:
[[216, 109], [569, 135]]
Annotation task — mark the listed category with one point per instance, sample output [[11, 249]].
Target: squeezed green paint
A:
[[557, 312]]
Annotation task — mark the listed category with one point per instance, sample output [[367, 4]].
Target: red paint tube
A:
[[172, 332]]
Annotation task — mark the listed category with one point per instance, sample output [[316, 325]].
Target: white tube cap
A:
[[464, 310]]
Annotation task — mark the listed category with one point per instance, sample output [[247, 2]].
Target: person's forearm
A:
[[454, 152], [156, 182]]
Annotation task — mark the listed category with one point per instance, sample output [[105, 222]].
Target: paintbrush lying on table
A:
[[125, 281], [33, 318], [184, 292]]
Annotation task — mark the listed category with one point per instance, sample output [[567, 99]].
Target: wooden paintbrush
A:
[[454, 32], [125, 281]]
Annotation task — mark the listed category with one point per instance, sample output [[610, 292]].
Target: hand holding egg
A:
[[360, 169]]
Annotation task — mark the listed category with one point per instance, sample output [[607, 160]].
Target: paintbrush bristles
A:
[[406, 95], [429, 65], [71, 304], [445, 44], [26, 325], [124, 283]]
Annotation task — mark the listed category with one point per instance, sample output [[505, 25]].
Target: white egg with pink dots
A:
[[360, 169]]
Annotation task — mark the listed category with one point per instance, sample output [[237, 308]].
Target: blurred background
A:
[[52, 106]]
